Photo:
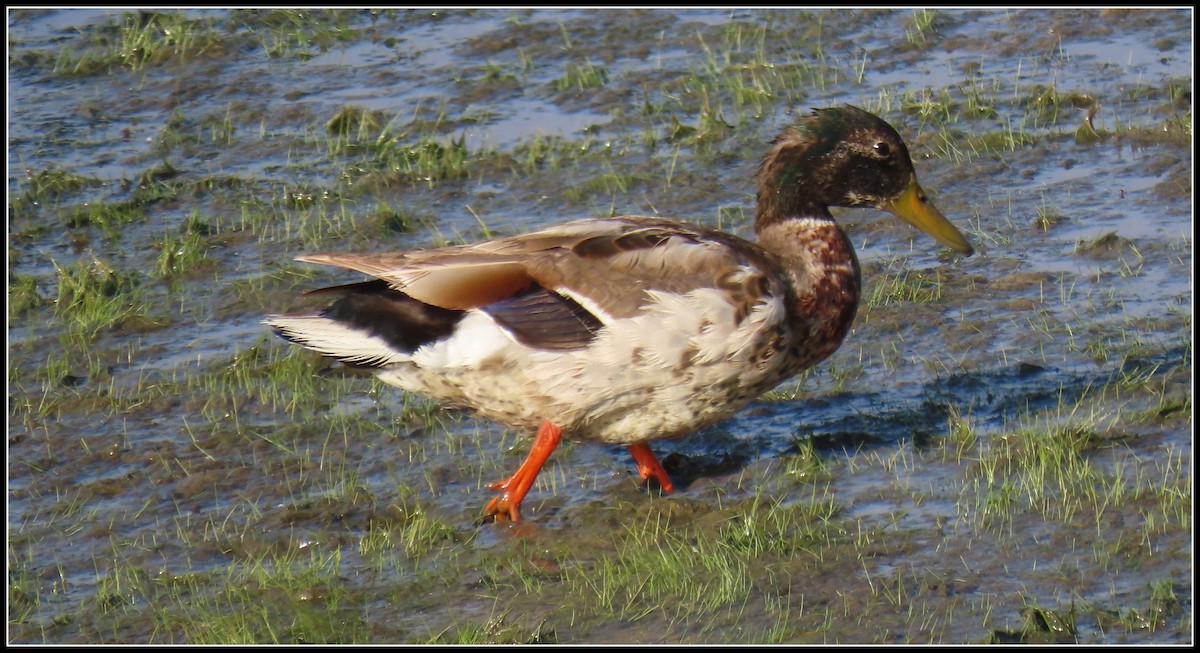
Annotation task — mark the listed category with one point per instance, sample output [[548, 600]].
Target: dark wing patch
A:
[[383, 311], [613, 244], [544, 319]]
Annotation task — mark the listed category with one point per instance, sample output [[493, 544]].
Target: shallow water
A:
[[1036, 320]]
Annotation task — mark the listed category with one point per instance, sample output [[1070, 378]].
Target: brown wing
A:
[[530, 283], [463, 276], [456, 283], [614, 270]]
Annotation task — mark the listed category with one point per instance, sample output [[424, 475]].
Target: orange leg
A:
[[649, 466], [508, 504]]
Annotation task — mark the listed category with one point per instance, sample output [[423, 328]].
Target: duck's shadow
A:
[[853, 421]]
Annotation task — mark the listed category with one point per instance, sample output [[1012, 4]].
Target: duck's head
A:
[[845, 156]]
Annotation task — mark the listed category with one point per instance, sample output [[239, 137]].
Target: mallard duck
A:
[[632, 329]]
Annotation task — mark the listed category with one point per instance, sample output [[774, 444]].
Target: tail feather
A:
[[344, 342], [370, 325]]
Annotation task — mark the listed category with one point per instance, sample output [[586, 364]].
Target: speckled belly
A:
[[636, 382]]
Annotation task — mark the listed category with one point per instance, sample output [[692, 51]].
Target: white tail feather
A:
[[335, 339]]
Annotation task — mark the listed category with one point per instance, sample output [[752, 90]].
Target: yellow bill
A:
[[914, 208]]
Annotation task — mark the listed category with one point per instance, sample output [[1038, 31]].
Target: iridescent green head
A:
[[845, 156]]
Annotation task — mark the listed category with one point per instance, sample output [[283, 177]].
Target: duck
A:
[[631, 329]]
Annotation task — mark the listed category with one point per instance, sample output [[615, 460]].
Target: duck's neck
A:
[[825, 275]]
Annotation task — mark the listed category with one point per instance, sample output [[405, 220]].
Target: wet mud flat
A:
[[1000, 452]]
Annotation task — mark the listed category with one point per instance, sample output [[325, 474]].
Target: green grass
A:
[[580, 76], [783, 528], [93, 297], [23, 295], [140, 40], [921, 27], [251, 597], [297, 33], [1074, 469], [904, 286], [110, 217], [47, 186], [185, 253]]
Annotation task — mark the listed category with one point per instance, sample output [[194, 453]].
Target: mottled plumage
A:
[[630, 329]]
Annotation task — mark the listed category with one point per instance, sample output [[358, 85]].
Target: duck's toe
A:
[[649, 467]]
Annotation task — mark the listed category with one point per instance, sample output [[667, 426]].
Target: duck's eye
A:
[[883, 150]]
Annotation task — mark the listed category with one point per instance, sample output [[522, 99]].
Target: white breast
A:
[[682, 362]]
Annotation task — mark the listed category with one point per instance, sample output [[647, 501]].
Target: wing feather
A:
[[530, 283]]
